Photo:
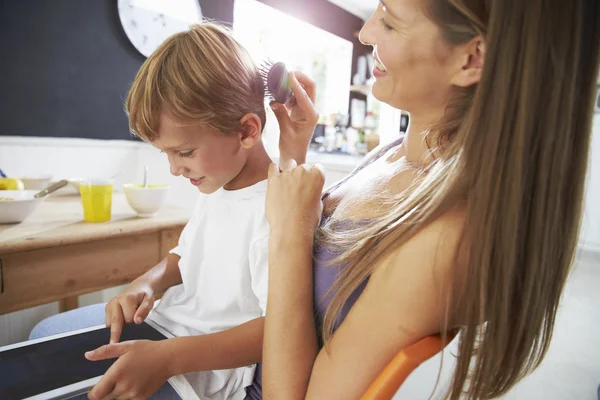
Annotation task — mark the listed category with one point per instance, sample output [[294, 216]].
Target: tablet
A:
[[56, 368]]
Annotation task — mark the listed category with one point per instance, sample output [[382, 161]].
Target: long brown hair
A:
[[515, 156]]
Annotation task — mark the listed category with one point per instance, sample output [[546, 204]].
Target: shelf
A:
[[362, 89]]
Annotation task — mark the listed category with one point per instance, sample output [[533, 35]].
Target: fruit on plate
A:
[[11, 184]]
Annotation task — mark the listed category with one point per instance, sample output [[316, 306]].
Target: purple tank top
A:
[[324, 276]]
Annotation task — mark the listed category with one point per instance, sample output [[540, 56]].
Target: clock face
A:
[[148, 23]]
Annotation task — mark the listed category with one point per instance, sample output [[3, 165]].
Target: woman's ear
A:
[[251, 130], [471, 57]]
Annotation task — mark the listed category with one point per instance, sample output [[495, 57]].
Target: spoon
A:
[[52, 188], [146, 176]]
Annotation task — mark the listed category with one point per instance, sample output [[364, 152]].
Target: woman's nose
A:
[[366, 34]]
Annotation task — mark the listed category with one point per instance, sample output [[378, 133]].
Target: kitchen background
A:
[[65, 71]]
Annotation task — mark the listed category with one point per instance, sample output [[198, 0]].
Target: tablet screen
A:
[[41, 367]]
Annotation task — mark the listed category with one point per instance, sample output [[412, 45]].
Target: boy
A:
[[199, 99]]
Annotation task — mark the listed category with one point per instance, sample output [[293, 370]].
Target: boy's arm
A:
[[143, 366], [164, 275], [136, 301], [232, 348]]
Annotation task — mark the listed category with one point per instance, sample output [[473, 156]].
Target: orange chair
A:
[[406, 361]]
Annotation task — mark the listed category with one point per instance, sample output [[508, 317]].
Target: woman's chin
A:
[[378, 90], [381, 92], [396, 100]]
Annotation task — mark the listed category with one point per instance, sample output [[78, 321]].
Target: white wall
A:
[[81, 158], [590, 236]]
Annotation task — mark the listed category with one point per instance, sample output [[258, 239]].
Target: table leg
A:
[[69, 303]]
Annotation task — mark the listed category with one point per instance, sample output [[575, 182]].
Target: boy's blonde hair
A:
[[202, 75]]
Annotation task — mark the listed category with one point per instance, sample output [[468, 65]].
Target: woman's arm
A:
[[402, 303], [290, 337], [293, 209], [297, 121]]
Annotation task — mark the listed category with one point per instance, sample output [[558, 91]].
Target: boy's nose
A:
[[176, 169]]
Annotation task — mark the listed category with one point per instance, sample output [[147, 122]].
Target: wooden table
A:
[[55, 256]]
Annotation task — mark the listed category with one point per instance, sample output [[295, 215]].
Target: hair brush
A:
[[276, 79]]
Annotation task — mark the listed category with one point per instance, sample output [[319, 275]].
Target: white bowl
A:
[[146, 201], [36, 182], [21, 207], [74, 182]]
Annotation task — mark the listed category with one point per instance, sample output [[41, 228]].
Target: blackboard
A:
[[65, 70]]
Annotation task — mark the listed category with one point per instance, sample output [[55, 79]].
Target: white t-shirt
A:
[[223, 265]]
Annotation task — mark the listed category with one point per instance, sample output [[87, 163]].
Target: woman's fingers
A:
[[289, 165], [310, 87], [273, 170], [303, 99], [282, 115]]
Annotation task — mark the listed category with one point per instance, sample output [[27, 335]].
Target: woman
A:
[[470, 222]]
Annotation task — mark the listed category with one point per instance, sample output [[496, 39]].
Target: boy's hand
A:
[[142, 368], [132, 305], [297, 120]]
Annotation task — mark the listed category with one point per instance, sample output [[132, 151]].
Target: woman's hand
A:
[[131, 306], [297, 119], [293, 205], [141, 369]]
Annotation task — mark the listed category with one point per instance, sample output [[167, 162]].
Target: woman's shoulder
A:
[[406, 297], [423, 268], [437, 243]]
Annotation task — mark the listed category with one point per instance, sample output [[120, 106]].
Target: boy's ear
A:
[[470, 63], [251, 130]]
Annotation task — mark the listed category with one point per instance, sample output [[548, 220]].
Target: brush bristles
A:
[[275, 79], [264, 70]]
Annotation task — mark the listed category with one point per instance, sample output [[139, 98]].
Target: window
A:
[[268, 33]]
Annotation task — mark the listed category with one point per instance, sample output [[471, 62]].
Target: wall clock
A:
[[147, 23]]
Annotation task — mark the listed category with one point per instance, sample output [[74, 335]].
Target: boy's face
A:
[[209, 159]]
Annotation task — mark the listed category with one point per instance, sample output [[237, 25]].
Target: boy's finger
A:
[[103, 389], [143, 310], [107, 351], [107, 314], [116, 325], [129, 306]]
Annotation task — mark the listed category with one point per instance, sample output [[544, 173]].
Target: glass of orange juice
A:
[[96, 198]]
